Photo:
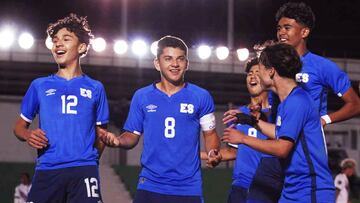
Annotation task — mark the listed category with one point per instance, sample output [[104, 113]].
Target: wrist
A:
[[326, 118]]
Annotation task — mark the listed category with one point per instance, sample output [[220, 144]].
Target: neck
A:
[[262, 98], [283, 87], [301, 49], [69, 72], [169, 88]]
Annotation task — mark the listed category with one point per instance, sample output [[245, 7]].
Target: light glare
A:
[[120, 47], [204, 52], [222, 52], [6, 37], [26, 40], [243, 54], [139, 47], [154, 47], [99, 44], [48, 42]]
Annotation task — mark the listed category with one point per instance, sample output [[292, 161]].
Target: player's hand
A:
[[37, 139], [108, 138], [232, 136], [255, 108], [230, 116], [214, 158]]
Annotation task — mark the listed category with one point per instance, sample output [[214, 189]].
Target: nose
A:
[[174, 63]]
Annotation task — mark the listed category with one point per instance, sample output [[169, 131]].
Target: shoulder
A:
[[93, 82], [298, 98], [319, 61], [197, 90]]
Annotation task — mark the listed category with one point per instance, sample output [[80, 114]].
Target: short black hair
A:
[[73, 23], [298, 11], [283, 58], [171, 41], [250, 63]]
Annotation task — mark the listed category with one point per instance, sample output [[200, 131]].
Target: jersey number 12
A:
[[67, 102]]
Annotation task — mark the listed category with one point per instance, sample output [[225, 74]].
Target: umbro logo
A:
[[50, 92], [151, 108]]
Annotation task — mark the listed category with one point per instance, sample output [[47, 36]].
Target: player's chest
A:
[[67, 99]]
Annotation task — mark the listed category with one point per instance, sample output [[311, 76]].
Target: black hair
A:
[[250, 63], [171, 41], [283, 58], [298, 11], [77, 24]]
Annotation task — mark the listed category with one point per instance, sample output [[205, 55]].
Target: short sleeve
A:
[[336, 79], [30, 103], [135, 119], [102, 109], [207, 104]]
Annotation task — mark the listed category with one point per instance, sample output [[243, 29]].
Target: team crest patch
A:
[[151, 108], [50, 92]]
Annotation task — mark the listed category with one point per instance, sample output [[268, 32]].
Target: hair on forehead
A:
[[171, 41]]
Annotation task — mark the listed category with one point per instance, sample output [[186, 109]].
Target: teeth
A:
[[60, 52]]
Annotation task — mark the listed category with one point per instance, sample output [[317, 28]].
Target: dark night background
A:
[[196, 21]]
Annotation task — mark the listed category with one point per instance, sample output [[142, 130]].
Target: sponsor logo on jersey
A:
[[50, 92], [278, 121], [186, 108], [151, 108], [85, 93]]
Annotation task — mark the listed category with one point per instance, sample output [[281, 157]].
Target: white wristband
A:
[[326, 118]]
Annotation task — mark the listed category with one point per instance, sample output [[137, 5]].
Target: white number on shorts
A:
[[169, 131], [67, 103], [91, 187], [252, 132]]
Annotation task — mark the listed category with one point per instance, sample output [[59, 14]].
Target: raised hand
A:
[[232, 136], [230, 116]]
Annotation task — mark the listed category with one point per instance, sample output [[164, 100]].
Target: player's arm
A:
[[126, 140], [35, 138], [99, 144], [266, 128], [280, 148], [227, 154], [212, 147], [350, 109]]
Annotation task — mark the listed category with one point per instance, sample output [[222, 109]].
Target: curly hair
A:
[[250, 63], [73, 23], [298, 11], [283, 58]]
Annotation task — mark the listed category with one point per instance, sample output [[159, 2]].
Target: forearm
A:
[[266, 128], [211, 141], [279, 148], [128, 140], [350, 109], [228, 154], [21, 130]]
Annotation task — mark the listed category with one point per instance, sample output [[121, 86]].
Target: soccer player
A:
[[295, 22], [71, 107], [247, 159], [169, 115], [348, 168], [22, 190], [298, 132]]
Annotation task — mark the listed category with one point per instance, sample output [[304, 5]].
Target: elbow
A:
[[282, 154]]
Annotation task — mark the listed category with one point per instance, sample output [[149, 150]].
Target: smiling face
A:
[[291, 32], [172, 64], [67, 48], [253, 81]]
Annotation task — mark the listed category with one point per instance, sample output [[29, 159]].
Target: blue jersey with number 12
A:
[[171, 127], [68, 112]]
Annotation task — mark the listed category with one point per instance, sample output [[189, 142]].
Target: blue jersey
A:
[[171, 128], [68, 113], [307, 175], [247, 159], [318, 75]]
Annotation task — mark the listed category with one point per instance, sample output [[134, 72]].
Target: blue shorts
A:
[[144, 196], [70, 185], [268, 181], [237, 194]]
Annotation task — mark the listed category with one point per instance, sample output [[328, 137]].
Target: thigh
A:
[[48, 186], [143, 196], [84, 185], [237, 195]]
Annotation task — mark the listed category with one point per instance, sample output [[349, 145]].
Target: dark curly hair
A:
[[298, 11], [250, 63], [283, 58], [171, 41], [73, 23]]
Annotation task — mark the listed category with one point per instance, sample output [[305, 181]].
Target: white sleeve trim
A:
[[136, 132], [207, 122], [339, 94], [233, 145], [26, 119]]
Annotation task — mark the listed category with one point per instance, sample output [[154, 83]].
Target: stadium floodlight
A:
[[48, 42], [139, 47], [222, 52], [154, 47], [243, 54], [120, 47], [204, 51], [98, 44], [7, 37], [26, 40]]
